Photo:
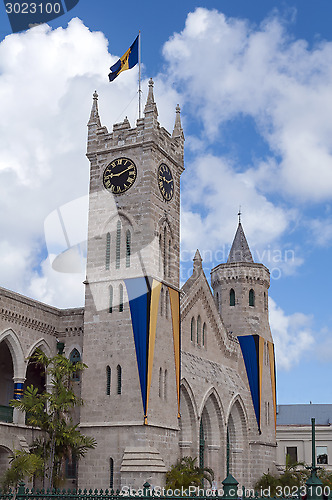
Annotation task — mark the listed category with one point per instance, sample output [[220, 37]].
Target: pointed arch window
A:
[[252, 298], [120, 298], [118, 245], [164, 253], [110, 299], [119, 379], [198, 333], [265, 302], [111, 473], [165, 385], [160, 253], [161, 301], [169, 258], [108, 251], [160, 381], [167, 304], [204, 335], [108, 381], [217, 300], [192, 329], [128, 248], [75, 357], [71, 468], [232, 297]]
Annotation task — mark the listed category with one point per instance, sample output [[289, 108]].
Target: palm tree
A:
[[187, 473], [59, 438]]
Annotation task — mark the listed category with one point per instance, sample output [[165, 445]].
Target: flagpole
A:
[[139, 75]]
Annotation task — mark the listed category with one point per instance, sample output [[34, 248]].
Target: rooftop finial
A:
[[150, 103], [94, 115], [239, 214], [178, 130], [150, 98]]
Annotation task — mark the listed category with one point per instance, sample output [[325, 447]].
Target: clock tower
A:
[[131, 320]]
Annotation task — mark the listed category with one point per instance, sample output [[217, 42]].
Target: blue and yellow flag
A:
[[127, 61]]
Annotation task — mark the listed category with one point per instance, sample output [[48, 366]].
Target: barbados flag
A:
[[127, 61]]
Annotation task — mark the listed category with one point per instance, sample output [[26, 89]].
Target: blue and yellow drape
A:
[[252, 347], [143, 295], [273, 380]]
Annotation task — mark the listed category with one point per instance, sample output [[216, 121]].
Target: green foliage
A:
[[325, 476], [22, 464], [187, 473], [294, 474], [51, 412]]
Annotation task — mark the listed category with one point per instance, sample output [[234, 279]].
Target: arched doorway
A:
[[211, 437], [6, 383], [35, 376], [237, 440], [188, 423]]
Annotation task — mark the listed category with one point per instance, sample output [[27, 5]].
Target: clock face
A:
[[165, 182], [119, 175]]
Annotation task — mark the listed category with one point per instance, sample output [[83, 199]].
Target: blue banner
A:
[[139, 294], [250, 351]]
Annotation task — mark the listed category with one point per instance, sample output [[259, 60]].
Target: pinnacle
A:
[[197, 257], [94, 115], [150, 105], [178, 131], [240, 251]]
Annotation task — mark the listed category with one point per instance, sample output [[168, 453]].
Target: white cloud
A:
[[58, 289], [46, 84], [292, 335], [321, 231], [227, 68], [212, 192]]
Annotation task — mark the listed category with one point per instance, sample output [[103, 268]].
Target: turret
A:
[[240, 289]]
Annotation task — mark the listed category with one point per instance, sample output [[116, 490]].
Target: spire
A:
[[178, 130], [240, 251], [197, 262], [150, 105], [94, 115]]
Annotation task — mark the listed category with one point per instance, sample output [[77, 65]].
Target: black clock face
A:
[[165, 182], [119, 175]]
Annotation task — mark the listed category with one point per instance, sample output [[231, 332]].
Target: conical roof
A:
[[240, 251]]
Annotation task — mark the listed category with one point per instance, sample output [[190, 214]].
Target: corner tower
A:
[[131, 319], [240, 289]]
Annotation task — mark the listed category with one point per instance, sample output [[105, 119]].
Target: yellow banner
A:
[[174, 296], [273, 380], [261, 353], [155, 295]]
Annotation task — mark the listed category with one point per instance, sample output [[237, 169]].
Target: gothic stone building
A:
[[151, 393]]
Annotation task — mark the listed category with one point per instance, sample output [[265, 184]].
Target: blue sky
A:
[[254, 80]]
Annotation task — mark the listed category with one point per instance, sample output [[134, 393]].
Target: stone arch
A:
[[188, 421], [35, 374], [122, 216], [212, 434], [5, 454], [164, 222], [16, 351], [237, 430], [40, 344], [69, 349]]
